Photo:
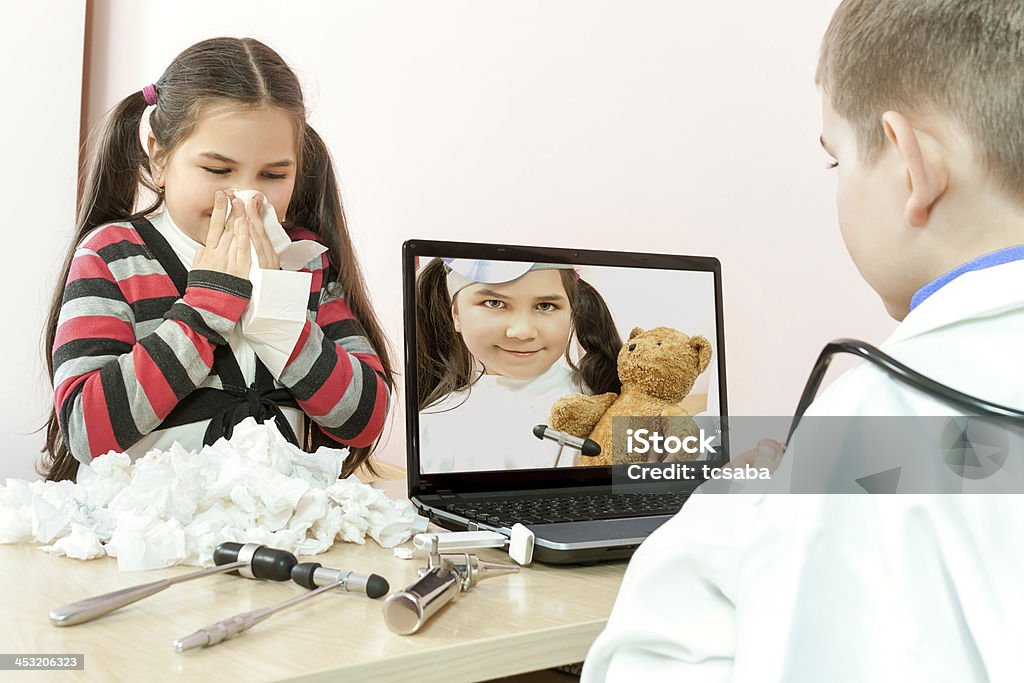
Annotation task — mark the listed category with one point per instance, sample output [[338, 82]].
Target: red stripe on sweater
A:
[[151, 286], [203, 345], [332, 389], [215, 301], [88, 267], [94, 327], [333, 311], [371, 359], [97, 419], [154, 384], [61, 391], [112, 234]]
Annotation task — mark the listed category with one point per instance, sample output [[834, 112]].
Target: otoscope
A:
[[309, 575], [253, 561], [445, 576]]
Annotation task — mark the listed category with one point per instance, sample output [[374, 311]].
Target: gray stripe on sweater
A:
[[78, 443], [74, 367], [95, 306], [124, 268]]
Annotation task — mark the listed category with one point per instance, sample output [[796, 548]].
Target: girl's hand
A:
[[227, 243], [268, 258]]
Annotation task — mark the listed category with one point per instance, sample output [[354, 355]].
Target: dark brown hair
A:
[[444, 365], [236, 72]]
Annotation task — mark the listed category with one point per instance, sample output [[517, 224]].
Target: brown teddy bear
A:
[[657, 368]]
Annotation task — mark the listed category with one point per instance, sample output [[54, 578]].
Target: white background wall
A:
[[673, 126], [41, 52]]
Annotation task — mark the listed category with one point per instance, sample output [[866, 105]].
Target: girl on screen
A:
[[493, 352]]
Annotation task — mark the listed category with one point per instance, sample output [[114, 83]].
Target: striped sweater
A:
[[129, 348]]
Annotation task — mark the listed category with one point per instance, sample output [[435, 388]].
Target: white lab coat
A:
[[761, 588]]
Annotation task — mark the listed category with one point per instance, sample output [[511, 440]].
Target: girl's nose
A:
[[521, 327]]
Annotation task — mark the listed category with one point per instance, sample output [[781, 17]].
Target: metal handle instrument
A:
[[251, 560], [307, 574]]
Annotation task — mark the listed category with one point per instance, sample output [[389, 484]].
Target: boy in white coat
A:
[[923, 111]]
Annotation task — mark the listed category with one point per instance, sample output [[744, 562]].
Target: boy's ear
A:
[[156, 160], [927, 174]]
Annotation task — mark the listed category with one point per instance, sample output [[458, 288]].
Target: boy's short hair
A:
[[960, 58]]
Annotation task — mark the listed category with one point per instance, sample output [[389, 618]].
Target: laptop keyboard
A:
[[505, 513]]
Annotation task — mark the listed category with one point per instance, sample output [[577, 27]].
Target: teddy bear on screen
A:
[[658, 368]]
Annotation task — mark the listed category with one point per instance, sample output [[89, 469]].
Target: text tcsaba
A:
[[684, 471]]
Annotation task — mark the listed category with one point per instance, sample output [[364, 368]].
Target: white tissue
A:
[[82, 544], [175, 506], [293, 255], [276, 314]]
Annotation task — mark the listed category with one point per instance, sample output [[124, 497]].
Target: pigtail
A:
[[119, 165], [317, 206], [597, 334], [443, 363]]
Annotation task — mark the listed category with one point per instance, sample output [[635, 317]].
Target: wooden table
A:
[[541, 617]]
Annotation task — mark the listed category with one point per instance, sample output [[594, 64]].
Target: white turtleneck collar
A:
[[184, 246]]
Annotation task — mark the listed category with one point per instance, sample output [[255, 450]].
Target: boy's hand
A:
[[767, 453], [268, 258], [227, 242]]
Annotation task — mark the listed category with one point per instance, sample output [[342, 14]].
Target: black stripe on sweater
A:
[[340, 329], [171, 368], [120, 250], [152, 309], [87, 347], [92, 286], [194, 319], [318, 373], [118, 407]]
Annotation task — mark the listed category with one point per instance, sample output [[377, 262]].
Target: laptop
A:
[[495, 334]]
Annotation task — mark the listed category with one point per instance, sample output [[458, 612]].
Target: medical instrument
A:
[[971, 405], [252, 560], [520, 543], [587, 447], [445, 576], [308, 575]]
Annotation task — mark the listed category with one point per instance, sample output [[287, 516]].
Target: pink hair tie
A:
[[149, 94]]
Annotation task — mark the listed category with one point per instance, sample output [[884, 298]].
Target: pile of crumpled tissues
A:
[[174, 507]]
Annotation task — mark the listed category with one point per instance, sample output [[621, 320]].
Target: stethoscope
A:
[[971, 405]]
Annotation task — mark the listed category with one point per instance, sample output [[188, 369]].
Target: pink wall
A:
[[646, 126]]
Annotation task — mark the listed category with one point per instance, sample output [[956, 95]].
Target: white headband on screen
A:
[[464, 272]]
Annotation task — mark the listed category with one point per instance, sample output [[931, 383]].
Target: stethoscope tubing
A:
[[972, 405]]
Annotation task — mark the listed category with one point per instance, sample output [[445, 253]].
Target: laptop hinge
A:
[[445, 494]]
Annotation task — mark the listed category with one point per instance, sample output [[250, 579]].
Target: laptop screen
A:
[[514, 354]]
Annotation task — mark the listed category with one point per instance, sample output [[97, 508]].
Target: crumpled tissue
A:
[[293, 255], [276, 313], [175, 506]]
